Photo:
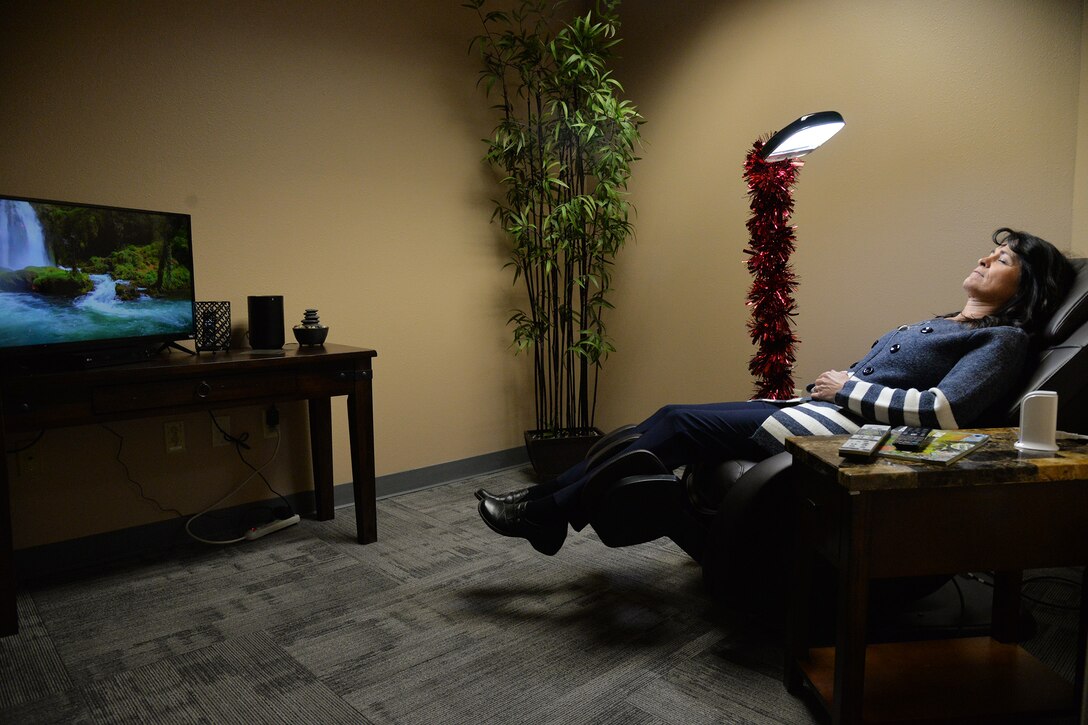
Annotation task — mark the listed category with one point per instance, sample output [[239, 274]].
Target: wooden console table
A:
[[995, 510], [179, 383]]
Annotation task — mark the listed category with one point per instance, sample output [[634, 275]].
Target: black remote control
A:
[[911, 439]]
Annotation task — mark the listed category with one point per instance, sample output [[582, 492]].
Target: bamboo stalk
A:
[[573, 137]]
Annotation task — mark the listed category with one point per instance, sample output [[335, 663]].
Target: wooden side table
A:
[[32, 400], [997, 509]]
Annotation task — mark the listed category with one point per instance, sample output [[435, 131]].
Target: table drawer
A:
[[193, 391], [30, 407]]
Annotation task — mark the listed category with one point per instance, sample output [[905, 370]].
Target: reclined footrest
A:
[[637, 509]]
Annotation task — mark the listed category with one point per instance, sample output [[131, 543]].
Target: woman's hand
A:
[[828, 384]]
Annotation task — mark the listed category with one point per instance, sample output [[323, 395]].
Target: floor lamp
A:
[[771, 171]]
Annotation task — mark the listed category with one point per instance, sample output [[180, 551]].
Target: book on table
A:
[[943, 447]]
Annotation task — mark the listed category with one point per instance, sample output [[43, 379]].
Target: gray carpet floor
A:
[[440, 621]]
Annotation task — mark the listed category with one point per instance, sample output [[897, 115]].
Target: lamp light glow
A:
[[803, 136]]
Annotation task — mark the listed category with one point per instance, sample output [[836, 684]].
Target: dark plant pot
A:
[[552, 454]]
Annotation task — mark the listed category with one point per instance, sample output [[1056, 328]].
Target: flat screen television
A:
[[90, 283]]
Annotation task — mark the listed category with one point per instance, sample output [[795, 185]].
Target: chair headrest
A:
[[1073, 311]]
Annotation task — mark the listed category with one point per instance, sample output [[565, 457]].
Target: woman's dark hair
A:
[[1045, 278]]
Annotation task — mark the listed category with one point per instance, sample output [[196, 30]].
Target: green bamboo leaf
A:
[[563, 149]]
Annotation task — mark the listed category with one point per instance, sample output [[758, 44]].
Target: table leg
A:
[[1080, 681], [853, 612], [320, 410], [797, 622], [361, 437], [9, 616]]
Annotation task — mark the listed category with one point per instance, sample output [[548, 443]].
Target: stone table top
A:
[[997, 462]]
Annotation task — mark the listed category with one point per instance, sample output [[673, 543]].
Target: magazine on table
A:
[[943, 447]]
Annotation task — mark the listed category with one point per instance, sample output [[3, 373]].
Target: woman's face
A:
[[996, 278]]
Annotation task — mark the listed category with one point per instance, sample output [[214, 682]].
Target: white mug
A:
[[1038, 421]]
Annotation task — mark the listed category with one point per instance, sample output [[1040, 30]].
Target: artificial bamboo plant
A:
[[563, 146]]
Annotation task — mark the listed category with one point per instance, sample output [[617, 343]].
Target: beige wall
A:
[[1080, 186], [329, 152], [961, 117]]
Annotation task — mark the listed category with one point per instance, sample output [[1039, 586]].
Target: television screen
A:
[[82, 276]]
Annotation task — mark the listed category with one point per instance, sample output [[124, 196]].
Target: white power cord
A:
[[233, 491]]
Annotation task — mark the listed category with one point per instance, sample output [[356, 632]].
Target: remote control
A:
[[865, 441], [911, 439]]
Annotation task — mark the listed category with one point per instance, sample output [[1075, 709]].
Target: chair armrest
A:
[[739, 497]]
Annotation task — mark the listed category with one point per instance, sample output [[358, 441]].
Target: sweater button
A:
[[926, 330], [894, 348], [867, 370]]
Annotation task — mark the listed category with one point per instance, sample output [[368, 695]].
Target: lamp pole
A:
[[771, 170]]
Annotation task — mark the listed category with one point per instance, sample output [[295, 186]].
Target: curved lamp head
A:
[[802, 136]]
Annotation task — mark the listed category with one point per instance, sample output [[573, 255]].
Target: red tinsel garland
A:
[[770, 188]]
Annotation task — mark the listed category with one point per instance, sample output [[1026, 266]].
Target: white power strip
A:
[[258, 531]]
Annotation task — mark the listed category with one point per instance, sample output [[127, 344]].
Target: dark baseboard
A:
[[149, 542], [397, 483]]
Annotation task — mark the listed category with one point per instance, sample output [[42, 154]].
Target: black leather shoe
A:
[[522, 494], [509, 519]]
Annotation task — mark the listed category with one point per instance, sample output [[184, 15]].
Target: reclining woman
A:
[[953, 371]]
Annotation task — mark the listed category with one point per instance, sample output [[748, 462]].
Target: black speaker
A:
[[212, 326], [266, 322]]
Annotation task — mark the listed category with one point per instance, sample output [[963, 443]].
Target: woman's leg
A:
[[665, 420], [677, 435], [682, 434]]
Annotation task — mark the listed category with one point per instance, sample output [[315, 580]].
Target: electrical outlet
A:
[[271, 421], [174, 434], [29, 461], [217, 436]]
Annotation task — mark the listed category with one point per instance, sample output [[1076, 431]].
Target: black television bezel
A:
[[105, 350]]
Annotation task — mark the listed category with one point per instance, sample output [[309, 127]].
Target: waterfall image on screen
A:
[[82, 274]]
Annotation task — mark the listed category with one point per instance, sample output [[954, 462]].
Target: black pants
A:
[[678, 435]]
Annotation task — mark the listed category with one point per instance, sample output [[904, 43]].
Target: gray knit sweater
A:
[[933, 374]]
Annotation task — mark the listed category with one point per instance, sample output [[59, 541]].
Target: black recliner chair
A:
[[731, 517]]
